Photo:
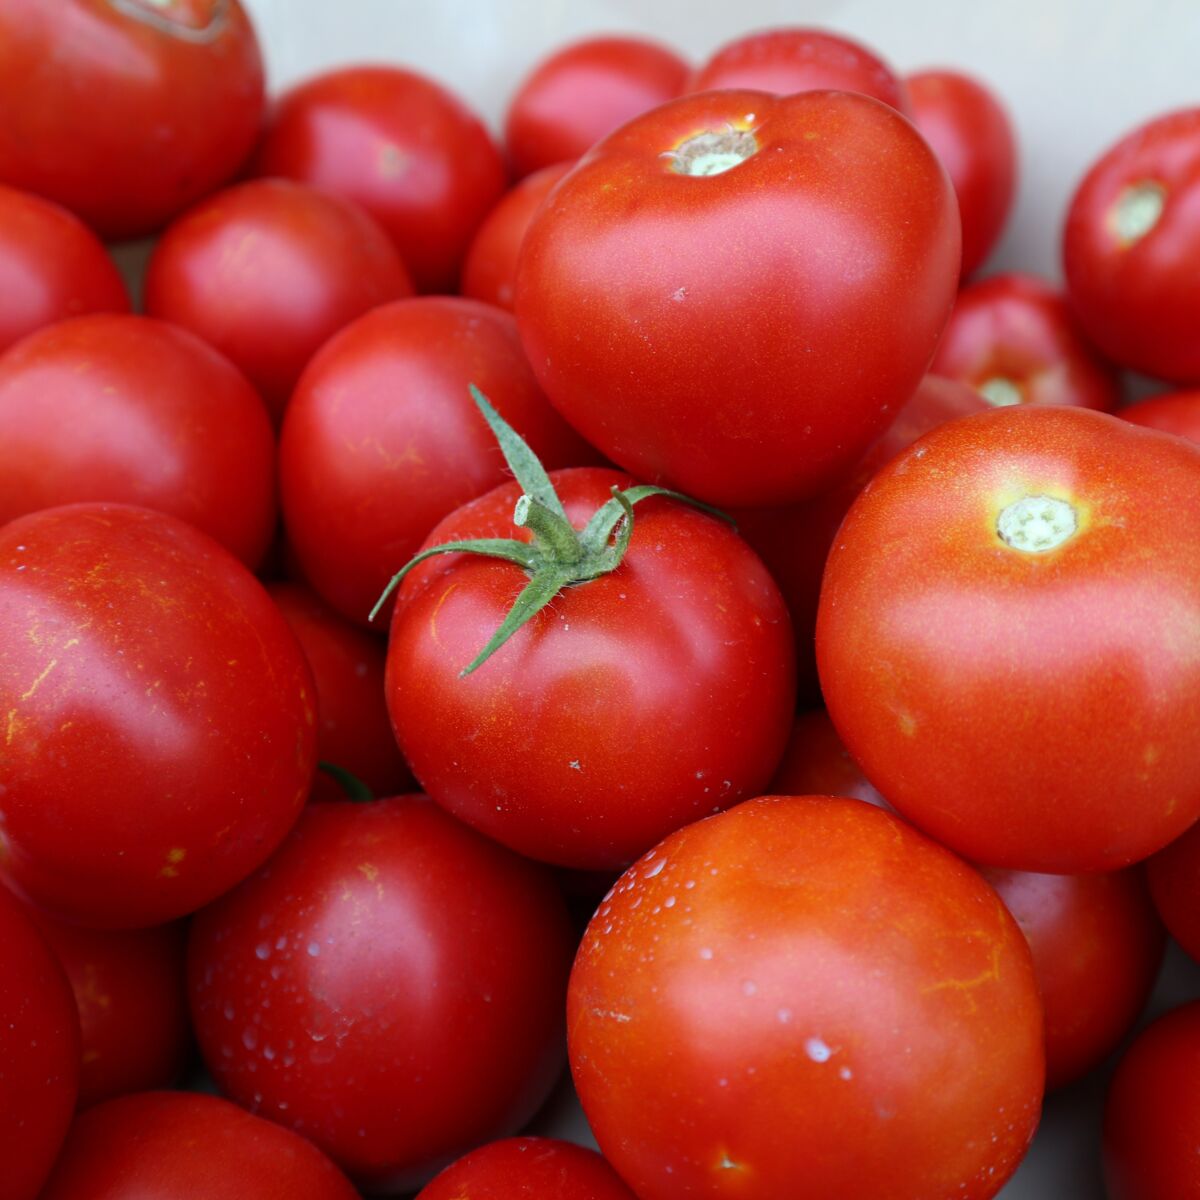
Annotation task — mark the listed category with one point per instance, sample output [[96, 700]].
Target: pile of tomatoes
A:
[[677, 415]]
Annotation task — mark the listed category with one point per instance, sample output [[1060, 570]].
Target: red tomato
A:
[[390, 984], [1177, 413], [159, 737], [168, 1144], [817, 763], [1174, 875], [584, 91], [971, 133], [761, 279], [1131, 238], [39, 1054], [803, 997], [268, 271], [490, 270], [1152, 1118], [381, 439], [51, 267], [411, 153], [1011, 658], [790, 60], [135, 411], [126, 111], [533, 1167]]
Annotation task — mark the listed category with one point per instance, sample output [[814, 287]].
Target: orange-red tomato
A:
[[1177, 413]]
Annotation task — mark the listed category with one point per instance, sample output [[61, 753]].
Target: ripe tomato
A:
[[411, 153], [157, 716], [390, 984], [981, 642], [126, 111], [814, 966], [1174, 875], [135, 411], [268, 271], [584, 91], [1177, 413], [817, 763], [761, 280]]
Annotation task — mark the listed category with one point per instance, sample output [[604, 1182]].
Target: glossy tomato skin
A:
[[39, 1054], [382, 440], [814, 965], [269, 270], [981, 685], [1012, 337], [971, 132], [410, 152], [1130, 239], [1173, 874], [817, 763], [160, 726], [584, 91], [185, 1144], [1177, 413], [719, 358], [126, 113], [630, 705], [133, 410], [390, 985]]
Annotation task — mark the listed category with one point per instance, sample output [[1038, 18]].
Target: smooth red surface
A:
[[627, 707], [158, 716], [1177, 413], [1139, 299], [167, 1144], [382, 439], [409, 151], [135, 411], [814, 966], [1017, 329], [39, 1054], [582, 92], [1030, 710], [390, 984], [126, 113], [1174, 875], [269, 270], [749, 331], [971, 132], [817, 763]]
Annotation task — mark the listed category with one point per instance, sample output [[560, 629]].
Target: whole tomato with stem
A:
[[1176, 412], [763, 280]]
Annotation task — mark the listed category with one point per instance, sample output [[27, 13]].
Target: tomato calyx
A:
[[1137, 211], [156, 14], [559, 555], [355, 790]]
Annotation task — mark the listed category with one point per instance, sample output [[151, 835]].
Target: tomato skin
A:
[[815, 965], [584, 91], [185, 1144], [126, 114], [135, 411], [396, 984], [1137, 297], [1177, 413], [731, 366], [39, 1054], [971, 132], [133, 648], [817, 763], [1172, 873], [406, 149], [946, 658], [269, 270]]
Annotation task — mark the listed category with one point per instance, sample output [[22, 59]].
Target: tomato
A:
[[390, 984], [761, 280], [490, 270], [269, 270], [817, 763], [1174, 874], [582, 92], [1013, 338], [133, 410], [1131, 236], [1012, 657], [126, 111], [534, 1167], [1152, 1117], [814, 966], [970, 131], [39, 1055], [1177, 413], [410, 152], [161, 1144], [158, 716], [381, 439]]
